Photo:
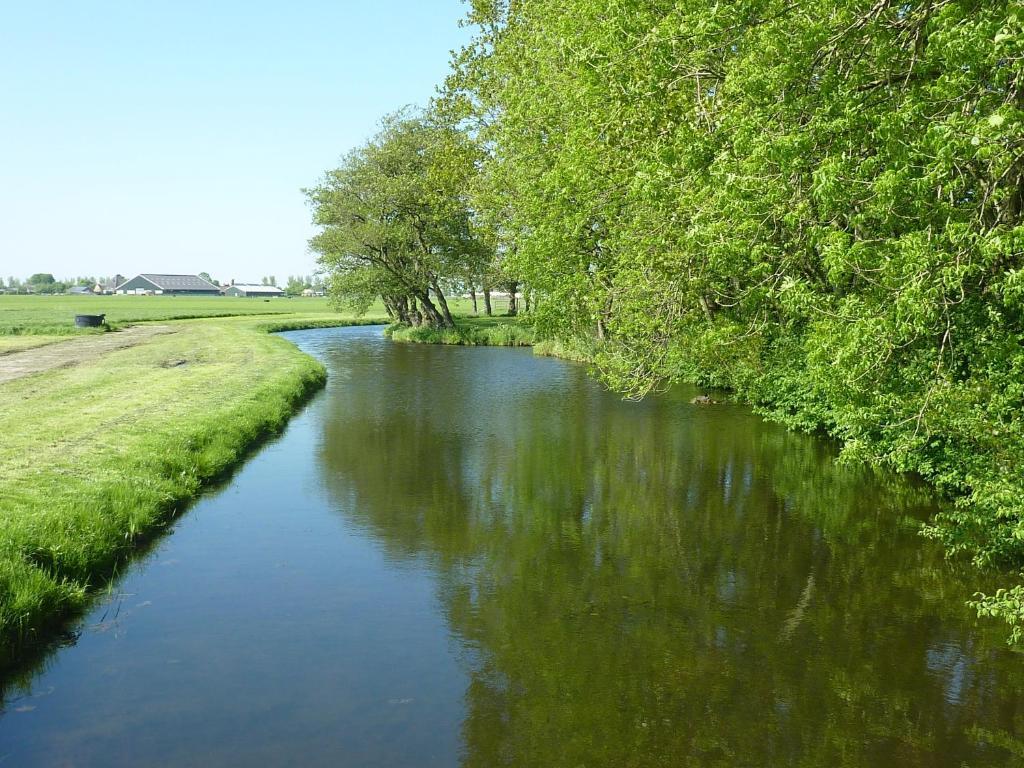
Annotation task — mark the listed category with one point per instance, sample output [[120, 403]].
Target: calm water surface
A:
[[476, 557]]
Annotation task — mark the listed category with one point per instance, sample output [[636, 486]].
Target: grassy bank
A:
[[468, 331], [97, 457], [495, 332], [578, 351]]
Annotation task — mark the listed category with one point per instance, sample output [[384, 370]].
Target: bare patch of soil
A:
[[15, 365]]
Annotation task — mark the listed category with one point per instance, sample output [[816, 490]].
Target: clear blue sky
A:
[[175, 136]]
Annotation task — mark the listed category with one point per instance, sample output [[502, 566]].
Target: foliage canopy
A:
[[815, 204], [395, 219]]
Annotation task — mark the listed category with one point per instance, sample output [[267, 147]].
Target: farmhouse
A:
[[248, 289], [174, 285], [107, 286]]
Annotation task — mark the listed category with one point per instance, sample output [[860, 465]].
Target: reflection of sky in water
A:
[[727, 587], [952, 667]]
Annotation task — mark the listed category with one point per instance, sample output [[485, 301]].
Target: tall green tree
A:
[[395, 221]]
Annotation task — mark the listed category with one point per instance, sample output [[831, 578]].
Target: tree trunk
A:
[[1014, 204], [602, 319], [472, 295], [431, 316], [705, 304], [526, 301], [402, 310], [445, 312], [513, 302], [487, 301]]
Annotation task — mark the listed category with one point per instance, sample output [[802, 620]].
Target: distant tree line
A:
[[46, 283], [814, 204]]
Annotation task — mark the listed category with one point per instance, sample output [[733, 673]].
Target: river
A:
[[477, 557]]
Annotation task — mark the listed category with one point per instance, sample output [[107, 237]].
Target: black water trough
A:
[[89, 321]]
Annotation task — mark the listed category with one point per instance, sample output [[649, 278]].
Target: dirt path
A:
[[64, 354]]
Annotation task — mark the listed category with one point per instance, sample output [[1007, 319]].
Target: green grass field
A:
[[34, 321], [55, 315]]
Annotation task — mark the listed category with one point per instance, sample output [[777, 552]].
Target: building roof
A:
[[253, 288], [178, 282]]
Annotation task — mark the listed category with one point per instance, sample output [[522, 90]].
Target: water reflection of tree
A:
[[653, 584]]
